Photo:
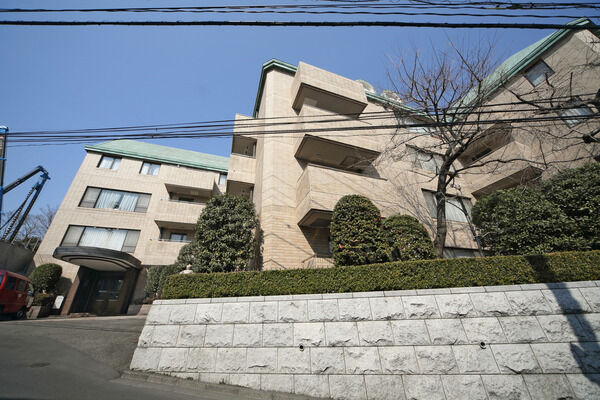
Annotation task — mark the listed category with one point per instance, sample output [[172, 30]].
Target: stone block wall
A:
[[505, 342]]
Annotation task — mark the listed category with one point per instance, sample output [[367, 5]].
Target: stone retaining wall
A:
[[504, 342]]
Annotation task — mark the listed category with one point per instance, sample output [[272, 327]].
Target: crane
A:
[[16, 220]]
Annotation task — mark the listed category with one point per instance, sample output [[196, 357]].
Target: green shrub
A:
[[522, 221], [407, 239], [224, 239], [355, 232], [576, 192], [45, 277], [187, 255], [43, 299], [422, 274], [156, 278]]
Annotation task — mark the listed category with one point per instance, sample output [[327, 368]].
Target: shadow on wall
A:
[[16, 259], [585, 350]]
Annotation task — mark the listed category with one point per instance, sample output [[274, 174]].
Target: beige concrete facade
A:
[[340, 137], [166, 213], [338, 143], [300, 176]]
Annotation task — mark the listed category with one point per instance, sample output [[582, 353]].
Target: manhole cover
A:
[[39, 365]]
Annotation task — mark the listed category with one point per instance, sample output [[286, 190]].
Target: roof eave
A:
[[147, 157]]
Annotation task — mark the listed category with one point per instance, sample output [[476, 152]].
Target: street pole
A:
[[3, 134]]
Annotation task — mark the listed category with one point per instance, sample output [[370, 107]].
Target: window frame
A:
[[151, 166], [222, 177], [183, 237], [112, 166], [431, 204], [435, 157], [137, 208], [133, 232], [574, 104], [546, 74]]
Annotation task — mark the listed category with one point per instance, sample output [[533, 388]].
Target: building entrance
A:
[[105, 280], [107, 296]]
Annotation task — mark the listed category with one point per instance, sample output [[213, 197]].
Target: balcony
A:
[[177, 212], [162, 252], [319, 189], [492, 176], [242, 168], [336, 141], [323, 89], [190, 179]]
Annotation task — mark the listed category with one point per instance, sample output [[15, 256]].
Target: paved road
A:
[[77, 359]]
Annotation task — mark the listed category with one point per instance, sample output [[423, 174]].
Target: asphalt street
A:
[[78, 359]]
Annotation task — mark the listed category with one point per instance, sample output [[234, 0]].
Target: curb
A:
[[205, 388]]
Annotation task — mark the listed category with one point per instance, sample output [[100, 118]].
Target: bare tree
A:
[[34, 227], [462, 104]]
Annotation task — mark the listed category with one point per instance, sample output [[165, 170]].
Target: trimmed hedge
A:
[[43, 299], [422, 274], [156, 278]]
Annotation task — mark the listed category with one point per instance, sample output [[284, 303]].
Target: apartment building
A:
[[337, 142], [131, 205], [313, 137]]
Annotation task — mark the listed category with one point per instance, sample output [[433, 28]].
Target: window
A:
[[222, 179], [426, 160], [420, 130], [108, 238], [109, 162], [574, 111], [149, 169], [455, 207], [178, 237], [11, 283], [21, 286], [115, 200], [538, 73]]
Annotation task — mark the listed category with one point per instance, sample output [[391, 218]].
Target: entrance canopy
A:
[[97, 258]]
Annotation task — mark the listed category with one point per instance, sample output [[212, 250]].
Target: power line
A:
[[484, 109], [406, 24], [240, 10], [286, 132]]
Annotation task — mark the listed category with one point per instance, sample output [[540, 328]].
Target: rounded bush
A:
[[156, 278], [355, 232], [407, 239], [522, 221], [224, 239], [576, 192], [45, 277]]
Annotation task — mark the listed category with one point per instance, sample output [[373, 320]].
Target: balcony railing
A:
[[319, 189], [492, 175], [241, 168], [178, 211]]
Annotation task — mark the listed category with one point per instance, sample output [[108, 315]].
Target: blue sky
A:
[[90, 77]]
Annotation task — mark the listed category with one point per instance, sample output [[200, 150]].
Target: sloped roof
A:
[[522, 59], [162, 154]]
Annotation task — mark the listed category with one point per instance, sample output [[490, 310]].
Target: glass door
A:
[[107, 296]]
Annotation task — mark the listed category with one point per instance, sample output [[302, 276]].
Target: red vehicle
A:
[[16, 294]]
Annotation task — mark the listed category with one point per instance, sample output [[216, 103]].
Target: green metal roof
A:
[[162, 154], [522, 59], [505, 71]]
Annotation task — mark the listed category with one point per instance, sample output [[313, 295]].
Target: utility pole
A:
[[3, 134]]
